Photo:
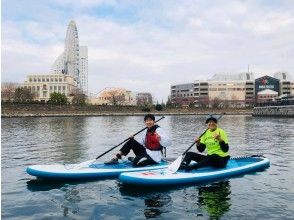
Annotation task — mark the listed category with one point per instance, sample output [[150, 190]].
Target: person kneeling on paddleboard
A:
[[149, 149], [215, 140]]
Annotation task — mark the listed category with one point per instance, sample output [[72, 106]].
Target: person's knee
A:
[[189, 155], [144, 161]]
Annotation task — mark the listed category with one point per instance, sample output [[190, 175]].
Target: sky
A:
[[149, 45]]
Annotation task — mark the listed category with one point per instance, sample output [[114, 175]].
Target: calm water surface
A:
[[27, 141]]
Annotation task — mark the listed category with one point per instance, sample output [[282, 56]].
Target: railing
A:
[[276, 103]]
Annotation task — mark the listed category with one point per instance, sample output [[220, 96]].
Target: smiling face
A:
[[149, 122], [211, 125]]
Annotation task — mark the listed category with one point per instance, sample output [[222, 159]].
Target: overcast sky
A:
[[145, 46]]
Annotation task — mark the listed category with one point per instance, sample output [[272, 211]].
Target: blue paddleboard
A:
[[164, 177], [87, 170]]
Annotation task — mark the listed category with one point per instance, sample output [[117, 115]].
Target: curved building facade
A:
[[71, 51], [71, 61]]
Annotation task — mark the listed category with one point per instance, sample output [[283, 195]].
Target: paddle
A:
[[125, 140], [174, 166]]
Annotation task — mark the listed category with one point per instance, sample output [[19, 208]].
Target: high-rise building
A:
[[70, 61], [83, 65]]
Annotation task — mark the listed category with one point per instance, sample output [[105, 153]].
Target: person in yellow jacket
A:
[[215, 141]]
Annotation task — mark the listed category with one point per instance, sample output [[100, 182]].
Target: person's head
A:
[[211, 123], [149, 120]]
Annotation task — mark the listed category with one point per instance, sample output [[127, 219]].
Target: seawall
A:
[[281, 111], [37, 110]]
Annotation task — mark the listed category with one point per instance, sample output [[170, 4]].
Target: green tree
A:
[[22, 94], [158, 107], [57, 98]]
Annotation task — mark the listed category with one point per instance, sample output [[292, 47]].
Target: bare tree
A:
[[116, 97], [22, 94], [144, 99], [78, 97], [7, 91]]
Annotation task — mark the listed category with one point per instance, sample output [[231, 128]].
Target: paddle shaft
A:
[[126, 140]]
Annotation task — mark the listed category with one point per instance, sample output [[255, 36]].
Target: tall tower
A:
[[71, 52], [73, 61]]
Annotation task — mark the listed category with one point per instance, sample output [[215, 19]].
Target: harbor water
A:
[[268, 194]]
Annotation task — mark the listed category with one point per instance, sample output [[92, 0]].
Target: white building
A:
[[286, 86], [43, 85], [235, 88], [71, 59], [114, 96]]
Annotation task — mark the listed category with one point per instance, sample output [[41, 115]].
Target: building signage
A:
[[266, 82]]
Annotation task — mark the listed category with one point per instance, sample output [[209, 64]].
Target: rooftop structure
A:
[[232, 77]]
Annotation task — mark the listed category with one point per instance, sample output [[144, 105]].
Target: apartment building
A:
[[221, 89]]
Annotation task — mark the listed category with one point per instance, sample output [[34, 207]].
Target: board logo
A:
[[148, 173]]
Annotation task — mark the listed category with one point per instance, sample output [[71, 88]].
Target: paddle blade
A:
[[174, 166], [81, 165]]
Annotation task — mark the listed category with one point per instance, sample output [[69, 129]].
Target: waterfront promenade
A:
[[39, 110]]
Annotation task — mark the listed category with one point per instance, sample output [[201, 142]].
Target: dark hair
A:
[[211, 118], [151, 116]]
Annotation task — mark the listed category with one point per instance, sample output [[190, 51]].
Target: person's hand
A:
[[158, 136], [217, 137], [197, 141]]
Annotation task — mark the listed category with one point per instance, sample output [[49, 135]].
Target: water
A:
[[27, 141]]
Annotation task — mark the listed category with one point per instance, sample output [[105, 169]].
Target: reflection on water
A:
[[154, 205], [36, 185], [215, 199]]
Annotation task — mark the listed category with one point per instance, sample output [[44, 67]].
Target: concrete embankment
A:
[[281, 111], [39, 110]]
